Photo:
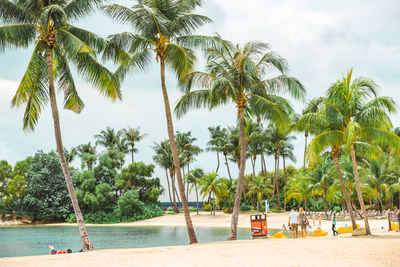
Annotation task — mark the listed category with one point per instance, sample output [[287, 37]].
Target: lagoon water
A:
[[33, 240]]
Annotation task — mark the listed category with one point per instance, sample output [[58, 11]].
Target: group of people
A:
[[297, 219], [53, 251]]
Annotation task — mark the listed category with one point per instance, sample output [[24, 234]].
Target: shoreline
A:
[[380, 249]]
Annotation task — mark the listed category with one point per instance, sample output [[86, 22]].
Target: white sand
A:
[[382, 249]]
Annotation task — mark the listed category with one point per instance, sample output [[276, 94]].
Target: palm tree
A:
[[70, 154], [56, 43], [326, 137], [280, 135], [308, 126], [109, 138], [88, 156], [193, 178], [259, 187], [235, 74], [163, 157], [213, 144], [164, 27], [378, 177], [299, 188], [213, 187], [321, 178], [363, 116], [131, 136]]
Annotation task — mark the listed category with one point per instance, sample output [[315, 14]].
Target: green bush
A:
[[129, 203], [245, 208], [192, 208], [170, 208], [71, 218], [337, 209], [207, 207], [277, 211]]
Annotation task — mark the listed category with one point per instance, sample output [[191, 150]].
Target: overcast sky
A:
[[321, 40]]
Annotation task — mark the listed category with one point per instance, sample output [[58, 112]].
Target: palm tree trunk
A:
[[305, 149], [227, 166], [197, 197], [358, 188], [214, 202], [344, 192], [277, 186], [216, 171], [171, 174], [86, 244], [274, 184], [324, 196], [380, 202], [169, 188], [132, 156], [284, 180], [240, 184], [262, 164], [188, 220], [265, 165], [253, 163]]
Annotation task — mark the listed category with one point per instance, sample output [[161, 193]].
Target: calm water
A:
[[33, 240]]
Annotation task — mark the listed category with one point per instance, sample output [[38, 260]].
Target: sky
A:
[[322, 40]]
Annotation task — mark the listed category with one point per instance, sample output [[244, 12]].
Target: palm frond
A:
[[16, 35]]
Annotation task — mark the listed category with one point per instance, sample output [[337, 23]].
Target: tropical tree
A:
[[212, 187], [164, 27], [56, 43], [364, 117], [163, 157], [193, 178], [378, 177], [299, 188], [237, 74], [321, 178], [108, 138], [259, 187], [131, 136], [213, 144]]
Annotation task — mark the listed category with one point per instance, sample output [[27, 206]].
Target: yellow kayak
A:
[[279, 235], [318, 232], [346, 230]]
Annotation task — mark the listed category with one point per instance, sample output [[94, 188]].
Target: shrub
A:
[[192, 208], [170, 208], [71, 218], [277, 211], [245, 208], [207, 207], [337, 209], [129, 203]]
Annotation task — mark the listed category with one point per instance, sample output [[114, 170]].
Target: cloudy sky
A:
[[321, 40]]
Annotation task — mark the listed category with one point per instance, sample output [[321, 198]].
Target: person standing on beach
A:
[[334, 225], [319, 219], [313, 218], [294, 222], [303, 222]]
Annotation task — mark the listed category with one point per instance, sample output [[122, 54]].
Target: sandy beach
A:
[[381, 249]]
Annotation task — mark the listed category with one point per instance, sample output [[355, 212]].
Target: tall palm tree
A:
[[212, 186], [108, 138], [131, 136], [299, 188], [364, 116], [308, 126], [193, 178], [237, 74], [56, 42], [163, 157], [213, 144], [321, 178], [378, 177], [70, 154], [325, 138], [260, 187], [164, 27]]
